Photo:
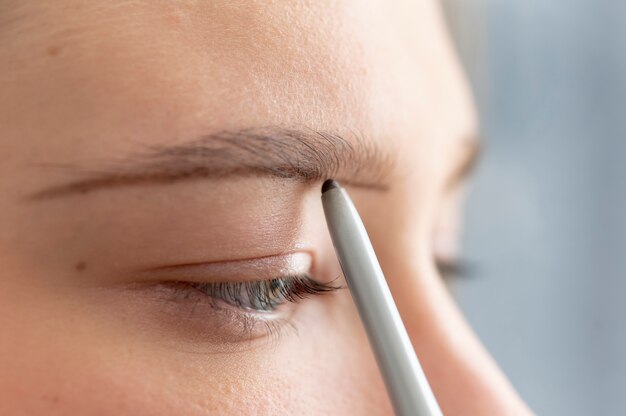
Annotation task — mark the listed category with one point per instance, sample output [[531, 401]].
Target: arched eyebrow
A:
[[302, 155]]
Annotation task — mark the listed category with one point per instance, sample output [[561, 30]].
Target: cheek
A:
[[61, 359]]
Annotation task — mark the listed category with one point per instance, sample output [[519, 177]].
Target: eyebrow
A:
[[301, 154]]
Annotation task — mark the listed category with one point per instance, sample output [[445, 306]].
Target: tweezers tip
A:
[[329, 184]]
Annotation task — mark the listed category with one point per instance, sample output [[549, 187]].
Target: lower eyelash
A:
[[215, 311], [274, 329]]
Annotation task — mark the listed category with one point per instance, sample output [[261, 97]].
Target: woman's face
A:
[[160, 215]]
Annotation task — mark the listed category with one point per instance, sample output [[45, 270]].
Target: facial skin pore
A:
[[94, 94]]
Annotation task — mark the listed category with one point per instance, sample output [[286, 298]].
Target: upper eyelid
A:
[[260, 268]]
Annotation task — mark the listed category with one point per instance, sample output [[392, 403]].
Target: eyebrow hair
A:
[[301, 154]]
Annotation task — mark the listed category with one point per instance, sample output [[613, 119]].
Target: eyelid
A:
[[261, 268], [199, 313]]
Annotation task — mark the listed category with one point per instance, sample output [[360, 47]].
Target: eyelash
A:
[[262, 296], [454, 269], [229, 316]]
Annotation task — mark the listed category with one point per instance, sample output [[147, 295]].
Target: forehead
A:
[[108, 75]]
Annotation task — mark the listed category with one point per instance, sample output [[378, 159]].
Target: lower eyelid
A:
[[193, 316], [188, 321]]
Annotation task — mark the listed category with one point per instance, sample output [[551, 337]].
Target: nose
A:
[[464, 378]]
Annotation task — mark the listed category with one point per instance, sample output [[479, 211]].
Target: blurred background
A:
[[546, 218]]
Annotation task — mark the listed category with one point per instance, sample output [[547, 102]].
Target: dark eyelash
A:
[[452, 269], [264, 295]]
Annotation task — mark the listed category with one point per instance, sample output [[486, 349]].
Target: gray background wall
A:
[[546, 219]]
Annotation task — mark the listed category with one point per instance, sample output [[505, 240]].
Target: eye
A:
[[231, 313], [263, 295]]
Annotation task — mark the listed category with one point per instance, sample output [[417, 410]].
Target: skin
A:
[[86, 84]]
